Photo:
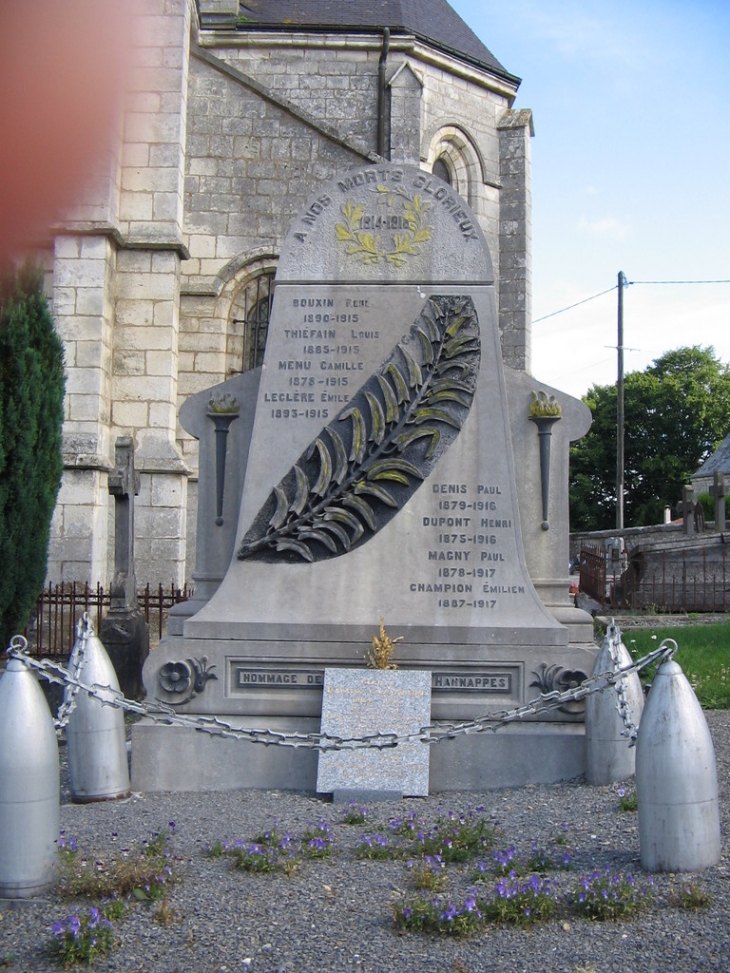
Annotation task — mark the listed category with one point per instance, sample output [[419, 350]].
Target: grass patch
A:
[[143, 873], [690, 896], [703, 654]]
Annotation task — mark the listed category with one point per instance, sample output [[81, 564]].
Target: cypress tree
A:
[[31, 419]]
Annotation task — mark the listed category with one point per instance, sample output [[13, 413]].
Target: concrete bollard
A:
[[97, 749], [608, 755], [29, 784], [676, 779]]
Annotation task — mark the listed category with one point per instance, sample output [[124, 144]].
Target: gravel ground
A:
[[335, 915]]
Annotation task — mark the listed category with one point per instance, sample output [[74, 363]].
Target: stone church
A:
[[162, 273]]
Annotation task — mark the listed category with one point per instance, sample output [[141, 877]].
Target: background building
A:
[[162, 272]]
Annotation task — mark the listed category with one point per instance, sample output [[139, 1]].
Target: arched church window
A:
[[251, 313], [441, 169], [452, 156]]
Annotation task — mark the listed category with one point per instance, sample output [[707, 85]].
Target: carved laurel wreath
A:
[[368, 462], [364, 245]]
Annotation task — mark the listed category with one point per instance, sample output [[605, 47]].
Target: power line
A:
[[578, 304], [678, 281], [627, 284]]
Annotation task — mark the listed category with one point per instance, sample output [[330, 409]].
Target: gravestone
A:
[[124, 631], [379, 483]]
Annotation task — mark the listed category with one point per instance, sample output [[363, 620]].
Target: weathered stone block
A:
[[130, 415], [166, 491], [80, 488], [141, 388], [201, 246], [90, 301], [67, 247], [143, 101], [84, 381], [135, 154], [160, 363], [189, 269], [133, 313], [91, 355], [164, 316], [136, 206], [202, 167], [236, 126], [140, 127], [167, 206], [162, 415], [134, 261], [165, 262], [64, 302], [151, 287], [150, 180], [129, 363], [85, 407], [80, 273]]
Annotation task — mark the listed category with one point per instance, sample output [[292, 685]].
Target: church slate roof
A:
[[719, 462], [433, 21]]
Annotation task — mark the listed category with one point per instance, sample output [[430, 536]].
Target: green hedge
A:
[[31, 418]]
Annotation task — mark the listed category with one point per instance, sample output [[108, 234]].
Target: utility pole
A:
[[620, 406]]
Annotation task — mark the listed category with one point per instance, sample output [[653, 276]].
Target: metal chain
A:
[[160, 712], [76, 663], [623, 706], [631, 730]]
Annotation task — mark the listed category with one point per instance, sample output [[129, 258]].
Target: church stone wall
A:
[[250, 165], [223, 137], [337, 85]]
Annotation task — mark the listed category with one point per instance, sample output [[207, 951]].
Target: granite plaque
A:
[[356, 702]]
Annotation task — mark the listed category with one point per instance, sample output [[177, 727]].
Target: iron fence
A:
[[664, 581], [52, 631], [593, 572]]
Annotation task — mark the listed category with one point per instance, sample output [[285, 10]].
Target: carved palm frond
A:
[[368, 462]]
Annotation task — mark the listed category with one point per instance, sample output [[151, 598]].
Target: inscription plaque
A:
[[357, 702], [246, 678], [482, 681], [473, 682]]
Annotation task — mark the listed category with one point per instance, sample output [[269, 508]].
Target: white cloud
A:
[[609, 226], [583, 30]]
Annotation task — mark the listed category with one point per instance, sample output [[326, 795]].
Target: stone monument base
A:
[[174, 758]]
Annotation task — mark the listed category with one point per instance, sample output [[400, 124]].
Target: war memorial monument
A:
[[381, 464]]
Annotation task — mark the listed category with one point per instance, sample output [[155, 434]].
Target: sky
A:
[[630, 172]]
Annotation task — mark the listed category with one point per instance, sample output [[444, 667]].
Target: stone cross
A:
[[718, 492], [688, 509], [123, 486]]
